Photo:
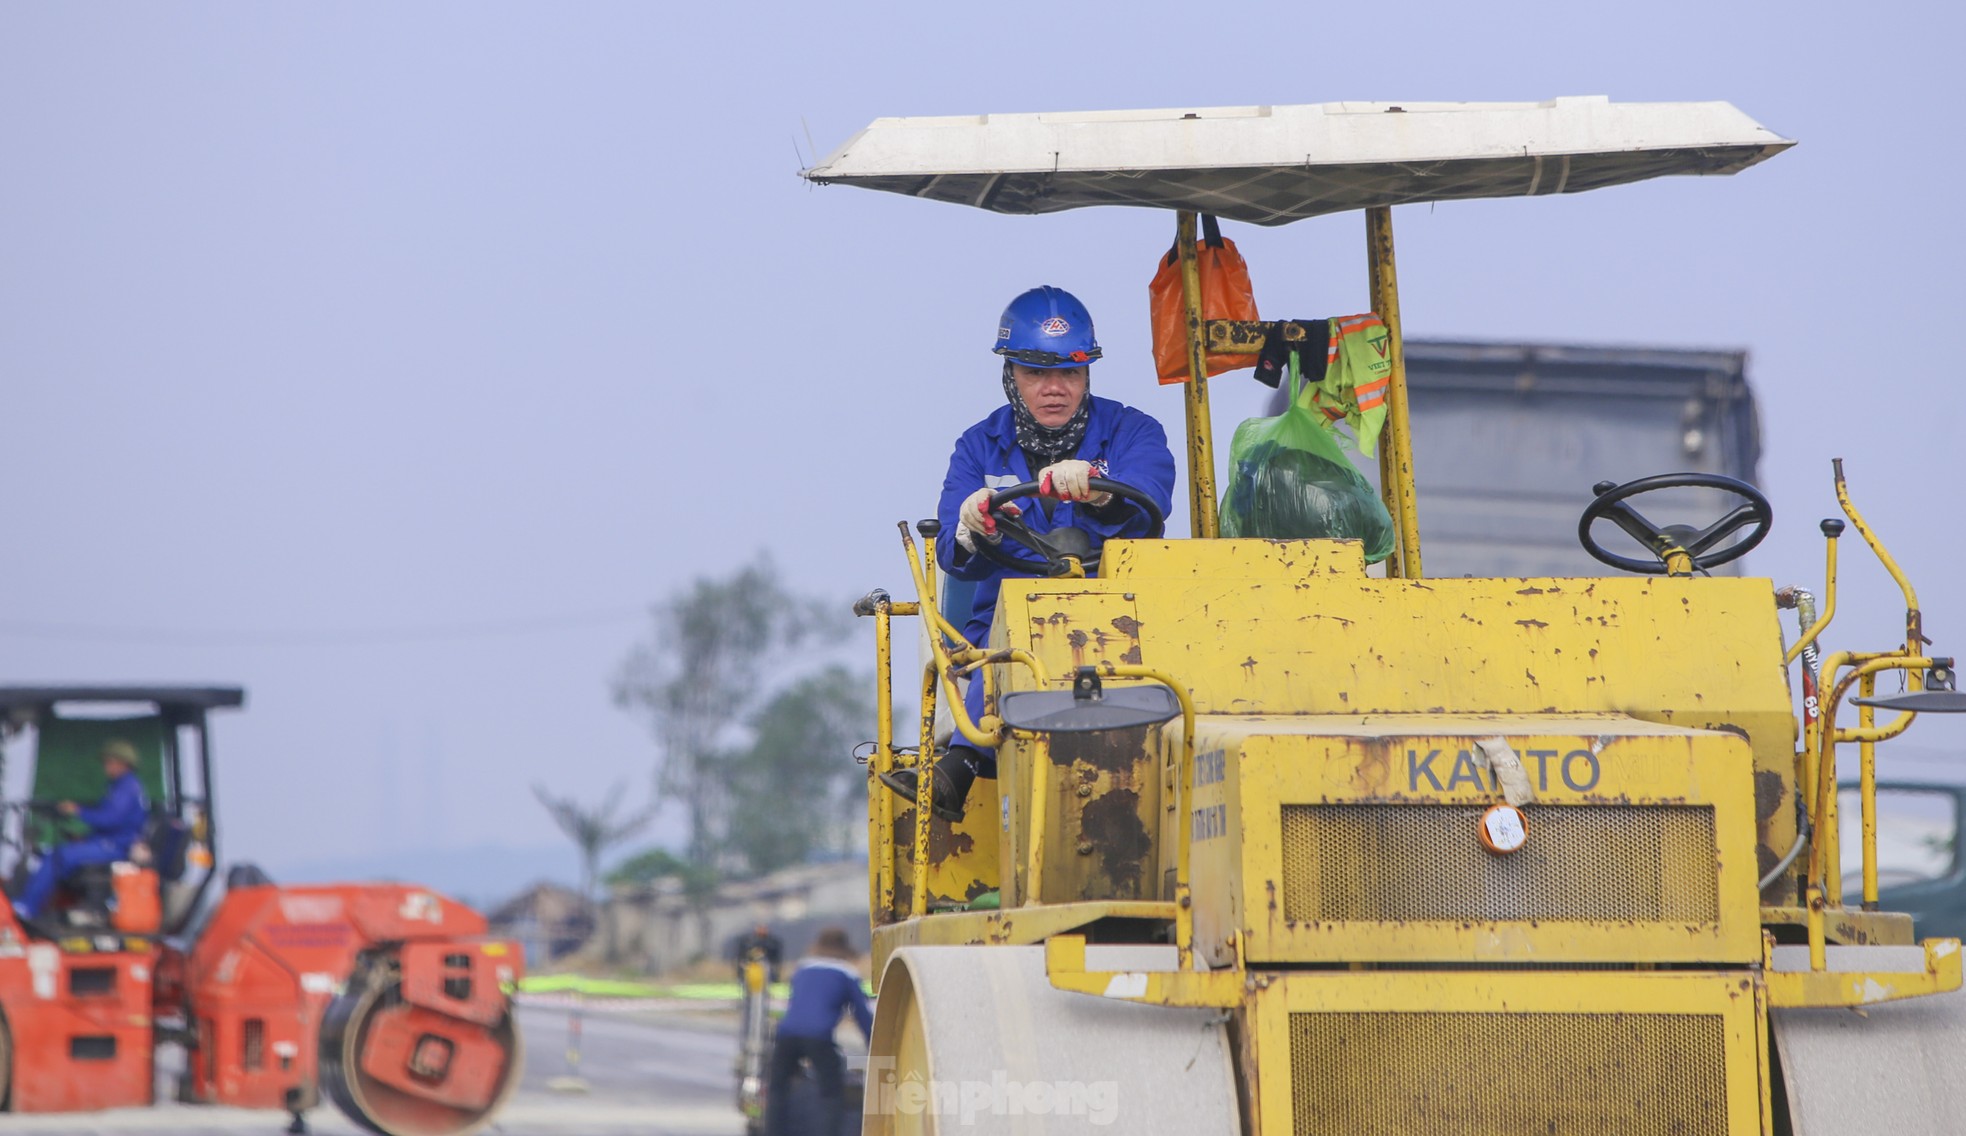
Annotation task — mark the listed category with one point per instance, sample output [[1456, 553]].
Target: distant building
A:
[[653, 927], [549, 921]]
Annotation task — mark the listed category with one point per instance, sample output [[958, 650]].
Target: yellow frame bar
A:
[[938, 673], [1914, 620], [1201, 439], [1867, 779], [1396, 440], [880, 808], [1829, 607], [1823, 851]]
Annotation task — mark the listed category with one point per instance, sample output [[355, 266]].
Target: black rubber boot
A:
[[944, 803], [954, 774]]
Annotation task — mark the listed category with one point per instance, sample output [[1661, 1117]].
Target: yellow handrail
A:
[[1914, 633], [1825, 787], [1184, 914], [1829, 598]]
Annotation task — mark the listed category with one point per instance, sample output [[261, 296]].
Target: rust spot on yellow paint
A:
[[1769, 791], [1112, 824]]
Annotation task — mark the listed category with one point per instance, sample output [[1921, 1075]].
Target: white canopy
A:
[[1273, 165]]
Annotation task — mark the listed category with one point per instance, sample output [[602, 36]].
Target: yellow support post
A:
[[1201, 443], [1823, 865], [1867, 775], [1396, 440], [924, 795], [1831, 838], [1830, 533], [1036, 845], [880, 823]]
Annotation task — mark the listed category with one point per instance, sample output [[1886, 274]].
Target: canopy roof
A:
[[1273, 165], [167, 697]]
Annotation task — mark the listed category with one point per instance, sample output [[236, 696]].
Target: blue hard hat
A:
[[1047, 327]]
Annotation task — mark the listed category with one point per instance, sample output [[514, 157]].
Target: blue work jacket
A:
[[120, 815], [1131, 444], [822, 991]]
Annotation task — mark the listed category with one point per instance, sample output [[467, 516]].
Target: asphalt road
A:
[[647, 1075]]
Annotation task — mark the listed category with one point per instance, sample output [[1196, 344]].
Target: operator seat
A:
[[162, 847]]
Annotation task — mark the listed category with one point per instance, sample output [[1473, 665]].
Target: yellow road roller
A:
[[1288, 837]]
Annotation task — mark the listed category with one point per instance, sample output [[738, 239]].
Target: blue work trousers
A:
[[63, 860]]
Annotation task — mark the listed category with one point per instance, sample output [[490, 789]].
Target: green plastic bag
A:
[[1289, 480]]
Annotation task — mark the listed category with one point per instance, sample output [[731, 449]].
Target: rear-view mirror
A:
[[1088, 707]]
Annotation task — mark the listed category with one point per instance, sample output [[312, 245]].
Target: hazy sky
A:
[[331, 332]]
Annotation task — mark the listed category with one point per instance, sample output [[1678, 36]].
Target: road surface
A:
[[650, 1075]]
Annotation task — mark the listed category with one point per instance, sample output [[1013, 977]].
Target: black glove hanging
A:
[[1273, 362]]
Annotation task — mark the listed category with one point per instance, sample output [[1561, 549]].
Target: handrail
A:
[[1825, 786], [1914, 632], [1829, 596], [940, 671], [1184, 911], [881, 881], [925, 590]]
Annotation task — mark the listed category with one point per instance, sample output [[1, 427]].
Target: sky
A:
[[391, 360]]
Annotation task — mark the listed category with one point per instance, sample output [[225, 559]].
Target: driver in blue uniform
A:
[[115, 823], [1054, 432]]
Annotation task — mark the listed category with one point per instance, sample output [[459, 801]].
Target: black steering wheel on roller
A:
[[1058, 544], [1671, 540]]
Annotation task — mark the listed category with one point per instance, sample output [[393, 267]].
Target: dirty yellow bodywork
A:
[[1337, 838], [1384, 964], [1349, 688]]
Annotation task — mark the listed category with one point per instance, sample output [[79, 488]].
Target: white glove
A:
[[1070, 480], [973, 520]]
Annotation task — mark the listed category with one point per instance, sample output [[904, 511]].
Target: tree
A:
[[717, 683], [792, 791], [594, 830], [652, 864], [646, 867]]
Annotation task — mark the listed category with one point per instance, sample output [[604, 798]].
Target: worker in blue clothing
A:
[[115, 823], [825, 986], [1054, 432]]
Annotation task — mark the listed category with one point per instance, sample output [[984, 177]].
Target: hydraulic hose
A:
[[1804, 604]]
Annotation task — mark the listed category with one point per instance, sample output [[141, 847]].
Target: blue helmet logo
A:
[[1047, 327]]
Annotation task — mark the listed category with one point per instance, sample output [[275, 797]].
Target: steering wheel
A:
[[1669, 540], [1058, 544], [19, 834]]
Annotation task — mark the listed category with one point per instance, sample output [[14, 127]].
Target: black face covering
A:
[[1042, 444]]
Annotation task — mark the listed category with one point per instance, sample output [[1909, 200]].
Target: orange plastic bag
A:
[[1226, 294]]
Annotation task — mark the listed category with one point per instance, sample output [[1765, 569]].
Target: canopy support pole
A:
[[1395, 441], [1201, 443]]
